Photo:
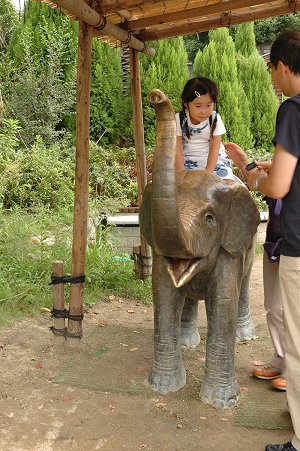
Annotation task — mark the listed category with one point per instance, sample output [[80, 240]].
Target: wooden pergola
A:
[[130, 23]]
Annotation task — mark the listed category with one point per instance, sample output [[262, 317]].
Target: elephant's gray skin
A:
[[201, 231]]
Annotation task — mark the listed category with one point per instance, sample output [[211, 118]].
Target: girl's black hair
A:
[[201, 85]]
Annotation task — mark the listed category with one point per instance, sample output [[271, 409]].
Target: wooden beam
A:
[[81, 176], [88, 15], [138, 134], [221, 21], [177, 16], [111, 6]]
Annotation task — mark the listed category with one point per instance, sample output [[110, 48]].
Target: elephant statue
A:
[[202, 234]]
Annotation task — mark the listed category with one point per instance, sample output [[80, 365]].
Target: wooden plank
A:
[[138, 134], [206, 10], [217, 22], [81, 175], [88, 15]]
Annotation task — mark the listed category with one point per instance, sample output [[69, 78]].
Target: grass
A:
[[28, 245]]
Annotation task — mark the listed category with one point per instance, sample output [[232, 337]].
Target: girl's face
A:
[[200, 108]]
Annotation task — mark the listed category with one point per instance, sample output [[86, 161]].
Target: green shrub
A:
[[28, 245]]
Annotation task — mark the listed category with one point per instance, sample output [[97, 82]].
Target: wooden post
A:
[[140, 151], [59, 328], [81, 177]]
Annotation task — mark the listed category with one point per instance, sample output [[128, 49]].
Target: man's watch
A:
[[251, 166]]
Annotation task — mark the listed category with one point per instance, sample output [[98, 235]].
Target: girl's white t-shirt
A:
[[195, 149]]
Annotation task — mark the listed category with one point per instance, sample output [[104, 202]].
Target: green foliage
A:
[[38, 74], [217, 62], [195, 42], [266, 30], [8, 21], [107, 103], [35, 177], [167, 71], [29, 244], [110, 179], [245, 39], [262, 100], [253, 75]]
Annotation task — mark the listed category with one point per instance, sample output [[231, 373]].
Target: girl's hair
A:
[[202, 86]]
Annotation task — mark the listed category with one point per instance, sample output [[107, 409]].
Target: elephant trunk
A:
[[167, 229]]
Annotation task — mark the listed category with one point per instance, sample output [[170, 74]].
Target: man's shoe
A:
[[279, 383], [284, 447], [266, 372]]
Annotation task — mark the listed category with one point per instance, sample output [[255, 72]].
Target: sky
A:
[[16, 3]]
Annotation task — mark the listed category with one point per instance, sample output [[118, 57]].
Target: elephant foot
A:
[[190, 337], [220, 397], [245, 331], [164, 381]]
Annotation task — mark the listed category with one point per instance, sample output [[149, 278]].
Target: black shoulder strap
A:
[[181, 119]]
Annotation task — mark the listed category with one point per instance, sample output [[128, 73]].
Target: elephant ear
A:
[[145, 214], [241, 223]]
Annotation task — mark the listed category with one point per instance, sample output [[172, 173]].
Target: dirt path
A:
[[57, 397]]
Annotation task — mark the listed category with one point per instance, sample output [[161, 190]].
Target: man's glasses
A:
[[269, 66]]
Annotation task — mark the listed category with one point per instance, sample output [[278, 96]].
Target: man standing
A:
[[280, 179]]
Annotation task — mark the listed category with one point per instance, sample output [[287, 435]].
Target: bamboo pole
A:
[[81, 176], [224, 20], [88, 15], [58, 329], [139, 145]]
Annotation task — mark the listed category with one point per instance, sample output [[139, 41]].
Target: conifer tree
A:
[[253, 75], [245, 39], [107, 102], [41, 59], [167, 71], [218, 63], [8, 21]]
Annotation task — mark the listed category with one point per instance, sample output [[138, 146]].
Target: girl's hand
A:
[[236, 153]]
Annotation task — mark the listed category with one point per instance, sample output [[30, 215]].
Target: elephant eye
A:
[[209, 218]]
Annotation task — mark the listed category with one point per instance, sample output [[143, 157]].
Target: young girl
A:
[[199, 130]]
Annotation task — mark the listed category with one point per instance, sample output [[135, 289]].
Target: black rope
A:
[[102, 24], [67, 279], [56, 313]]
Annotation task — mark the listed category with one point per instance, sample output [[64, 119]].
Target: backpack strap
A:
[[181, 119]]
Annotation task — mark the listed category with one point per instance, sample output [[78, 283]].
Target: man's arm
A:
[[277, 181]]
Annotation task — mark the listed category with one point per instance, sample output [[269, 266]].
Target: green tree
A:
[[39, 78], [167, 71], [218, 63], [253, 75], [266, 30], [8, 21], [245, 39], [107, 102]]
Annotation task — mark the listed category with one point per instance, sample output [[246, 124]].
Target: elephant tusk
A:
[[181, 270]]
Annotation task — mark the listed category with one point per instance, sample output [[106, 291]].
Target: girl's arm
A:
[[179, 154], [214, 147]]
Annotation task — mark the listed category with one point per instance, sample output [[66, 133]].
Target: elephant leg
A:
[[220, 388], [245, 330], [190, 337], [168, 373]]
